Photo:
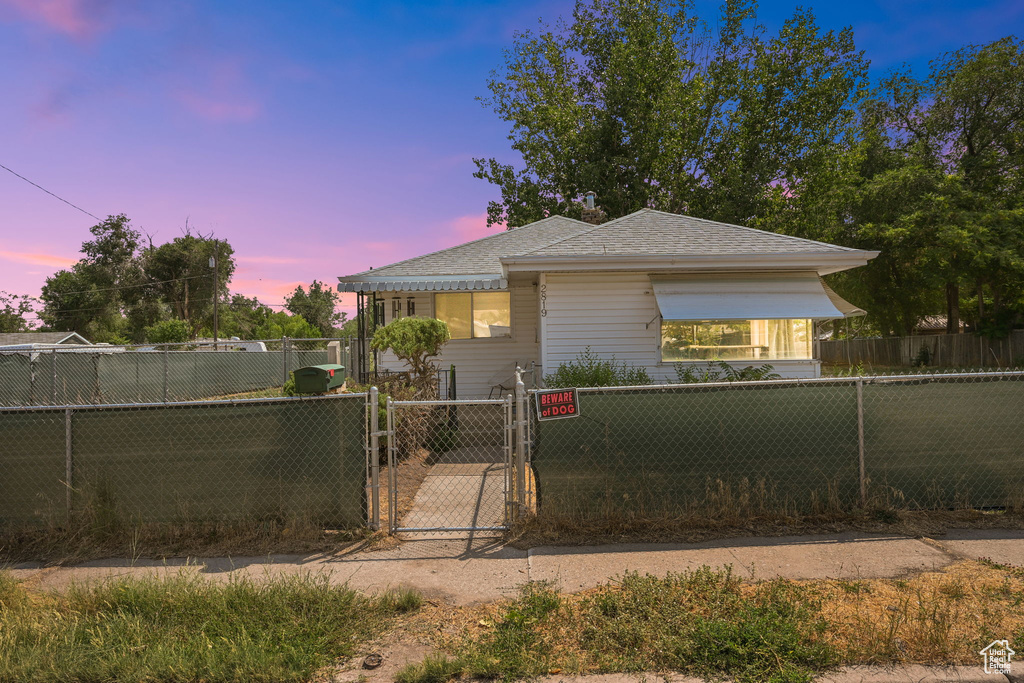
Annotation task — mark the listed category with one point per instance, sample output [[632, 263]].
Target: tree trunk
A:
[[981, 301], [952, 308]]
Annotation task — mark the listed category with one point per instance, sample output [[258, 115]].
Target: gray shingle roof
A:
[[643, 233], [481, 256], [655, 233], [12, 338]]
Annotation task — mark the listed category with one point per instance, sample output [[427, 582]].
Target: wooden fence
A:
[[945, 350]]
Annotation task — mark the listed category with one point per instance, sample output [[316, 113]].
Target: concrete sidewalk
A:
[[464, 572]]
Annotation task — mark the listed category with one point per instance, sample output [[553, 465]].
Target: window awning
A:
[[749, 296], [439, 283]]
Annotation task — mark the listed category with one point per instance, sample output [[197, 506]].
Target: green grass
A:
[[187, 629], [702, 623]]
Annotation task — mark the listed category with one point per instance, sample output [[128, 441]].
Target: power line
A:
[[62, 311], [50, 193], [120, 287]]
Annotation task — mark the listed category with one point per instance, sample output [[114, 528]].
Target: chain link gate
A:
[[450, 465]]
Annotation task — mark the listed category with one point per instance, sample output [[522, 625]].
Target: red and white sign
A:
[[555, 404]]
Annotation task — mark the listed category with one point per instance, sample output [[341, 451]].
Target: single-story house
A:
[[652, 289], [32, 341]]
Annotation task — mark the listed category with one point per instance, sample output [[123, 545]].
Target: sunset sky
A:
[[318, 137]]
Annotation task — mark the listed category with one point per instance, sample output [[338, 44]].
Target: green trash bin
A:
[[319, 379]]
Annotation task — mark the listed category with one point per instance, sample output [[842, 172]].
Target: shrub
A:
[[590, 370], [415, 341], [167, 332], [923, 357], [720, 371]]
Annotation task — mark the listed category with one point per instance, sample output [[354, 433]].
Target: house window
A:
[[396, 308], [410, 307], [472, 315], [755, 340], [378, 313]]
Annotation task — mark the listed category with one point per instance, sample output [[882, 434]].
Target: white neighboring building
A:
[[43, 341], [652, 289]]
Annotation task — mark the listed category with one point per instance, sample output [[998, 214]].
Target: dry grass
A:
[[678, 623], [83, 539], [942, 617]]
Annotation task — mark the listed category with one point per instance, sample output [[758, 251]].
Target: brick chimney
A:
[[591, 212]]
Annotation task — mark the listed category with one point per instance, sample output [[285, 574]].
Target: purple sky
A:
[[319, 138]]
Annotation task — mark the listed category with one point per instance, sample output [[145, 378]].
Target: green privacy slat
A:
[[664, 452], [271, 460]]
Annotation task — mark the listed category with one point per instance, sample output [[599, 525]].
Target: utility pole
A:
[[216, 299]]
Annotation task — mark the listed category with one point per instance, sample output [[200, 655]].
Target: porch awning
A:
[[749, 296], [438, 283]]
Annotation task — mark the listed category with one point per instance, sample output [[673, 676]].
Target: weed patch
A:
[[187, 629], [704, 622]]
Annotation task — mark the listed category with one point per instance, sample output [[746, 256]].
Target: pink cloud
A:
[[77, 18], [472, 227], [380, 246], [218, 110], [265, 289], [268, 260], [37, 259]]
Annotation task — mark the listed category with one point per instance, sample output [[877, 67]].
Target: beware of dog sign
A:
[[555, 404]]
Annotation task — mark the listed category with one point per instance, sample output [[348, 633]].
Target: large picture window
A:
[[683, 340], [473, 315]]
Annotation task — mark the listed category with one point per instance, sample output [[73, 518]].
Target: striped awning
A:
[[741, 296], [440, 283]]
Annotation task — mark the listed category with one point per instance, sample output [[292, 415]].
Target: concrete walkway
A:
[[458, 495], [474, 570]]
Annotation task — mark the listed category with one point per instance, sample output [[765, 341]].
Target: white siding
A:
[[616, 314], [478, 362]]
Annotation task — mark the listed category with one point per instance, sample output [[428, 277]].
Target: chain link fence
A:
[[785, 446], [156, 373], [204, 461], [448, 465]]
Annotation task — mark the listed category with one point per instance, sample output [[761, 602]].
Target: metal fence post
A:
[[166, 371], [32, 362], [284, 354], [520, 442], [53, 387], [96, 393], [373, 406], [68, 462], [392, 459], [860, 441]]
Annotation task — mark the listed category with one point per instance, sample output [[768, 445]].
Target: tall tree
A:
[[642, 103], [243, 316], [318, 306], [92, 297], [181, 275], [13, 309]]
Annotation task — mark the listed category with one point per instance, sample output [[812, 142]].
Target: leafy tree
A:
[[242, 317], [92, 297], [317, 306], [642, 103], [280, 324], [931, 178], [13, 308], [168, 332], [182, 278], [415, 341]]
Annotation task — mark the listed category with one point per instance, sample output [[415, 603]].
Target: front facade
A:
[[651, 289]]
